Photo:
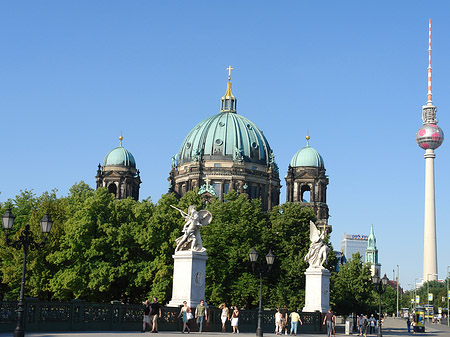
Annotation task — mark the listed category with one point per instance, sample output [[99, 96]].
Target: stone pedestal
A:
[[317, 290], [188, 278]]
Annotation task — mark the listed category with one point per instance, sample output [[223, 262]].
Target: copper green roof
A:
[[119, 157], [307, 156], [226, 135]]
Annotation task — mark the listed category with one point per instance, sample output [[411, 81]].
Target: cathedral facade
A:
[[118, 173], [226, 152]]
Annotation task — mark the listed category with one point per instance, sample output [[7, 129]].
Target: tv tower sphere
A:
[[429, 136]]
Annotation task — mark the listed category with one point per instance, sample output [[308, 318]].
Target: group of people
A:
[[281, 321], [229, 315], [151, 314], [366, 325], [201, 315]]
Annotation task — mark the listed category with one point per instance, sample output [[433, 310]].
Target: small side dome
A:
[[307, 156], [120, 157]]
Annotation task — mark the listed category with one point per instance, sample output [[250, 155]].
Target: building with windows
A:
[[306, 183], [118, 173], [226, 151], [371, 255], [354, 243]]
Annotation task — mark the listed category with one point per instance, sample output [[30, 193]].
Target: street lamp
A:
[[380, 288], [25, 241], [270, 258]]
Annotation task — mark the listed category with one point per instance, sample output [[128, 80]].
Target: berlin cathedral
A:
[[227, 152]]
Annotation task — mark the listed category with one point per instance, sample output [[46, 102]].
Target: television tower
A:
[[429, 137]]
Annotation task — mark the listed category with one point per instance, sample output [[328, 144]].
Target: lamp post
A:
[[380, 288], [25, 241], [270, 258]]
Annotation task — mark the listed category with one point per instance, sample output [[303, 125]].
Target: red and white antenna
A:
[[429, 101]]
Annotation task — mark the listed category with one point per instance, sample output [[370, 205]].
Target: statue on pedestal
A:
[[191, 239], [318, 250]]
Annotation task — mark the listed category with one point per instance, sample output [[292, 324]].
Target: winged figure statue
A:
[[191, 239], [318, 250]]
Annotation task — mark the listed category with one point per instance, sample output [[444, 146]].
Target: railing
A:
[[81, 316]]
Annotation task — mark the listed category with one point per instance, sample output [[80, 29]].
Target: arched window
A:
[[305, 194], [112, 188]]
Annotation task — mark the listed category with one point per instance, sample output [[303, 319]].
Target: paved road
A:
[[391, 328]]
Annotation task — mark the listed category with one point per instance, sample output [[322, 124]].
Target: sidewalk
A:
[[391, 328]]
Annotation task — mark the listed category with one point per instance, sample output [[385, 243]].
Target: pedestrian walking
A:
[[146, 319], [295, 319], [365, 326], [224, 315], [360, 324], [328, 320], [155, 314], [278, 321], [201, 314], [284, 320], [235, 320], [408, 324], [372, 324], [333, 321], [187, 315]]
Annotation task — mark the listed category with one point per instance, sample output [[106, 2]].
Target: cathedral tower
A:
[[429, 137], [226, 152], [306, 183], [118, 173]]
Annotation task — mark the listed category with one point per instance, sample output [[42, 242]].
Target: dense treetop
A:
[[102, 249]]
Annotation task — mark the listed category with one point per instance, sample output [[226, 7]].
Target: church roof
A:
[[226, 136], [119, 157], [307, 156]]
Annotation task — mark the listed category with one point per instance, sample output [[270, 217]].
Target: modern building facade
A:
[[353, 243], [227, 151], [429, 137], [118, 173]]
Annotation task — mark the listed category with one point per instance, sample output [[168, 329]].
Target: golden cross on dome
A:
[[229, 72], [207, 181]]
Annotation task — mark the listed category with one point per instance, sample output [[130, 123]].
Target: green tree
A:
[[236, 227], [352, 289], [288, 237]]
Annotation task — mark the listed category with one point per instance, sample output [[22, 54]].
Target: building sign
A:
[[359, 237]]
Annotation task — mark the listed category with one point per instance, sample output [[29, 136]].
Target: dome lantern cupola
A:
[[118, 173], [226, 151], [306, 183], [228, 101]]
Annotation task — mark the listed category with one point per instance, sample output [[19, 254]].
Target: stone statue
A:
[[318, 250], [191, 239]]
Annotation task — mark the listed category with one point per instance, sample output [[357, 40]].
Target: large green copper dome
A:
[[226, 136], [119, 157], [307, 156]]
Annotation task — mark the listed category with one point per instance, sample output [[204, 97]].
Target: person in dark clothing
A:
[[328, 319], [155, 314], [146, 319]]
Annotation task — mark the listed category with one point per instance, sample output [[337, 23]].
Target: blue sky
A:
[[74, 74]]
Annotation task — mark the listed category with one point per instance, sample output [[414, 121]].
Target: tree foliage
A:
[[103, 249], [352, 290]]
